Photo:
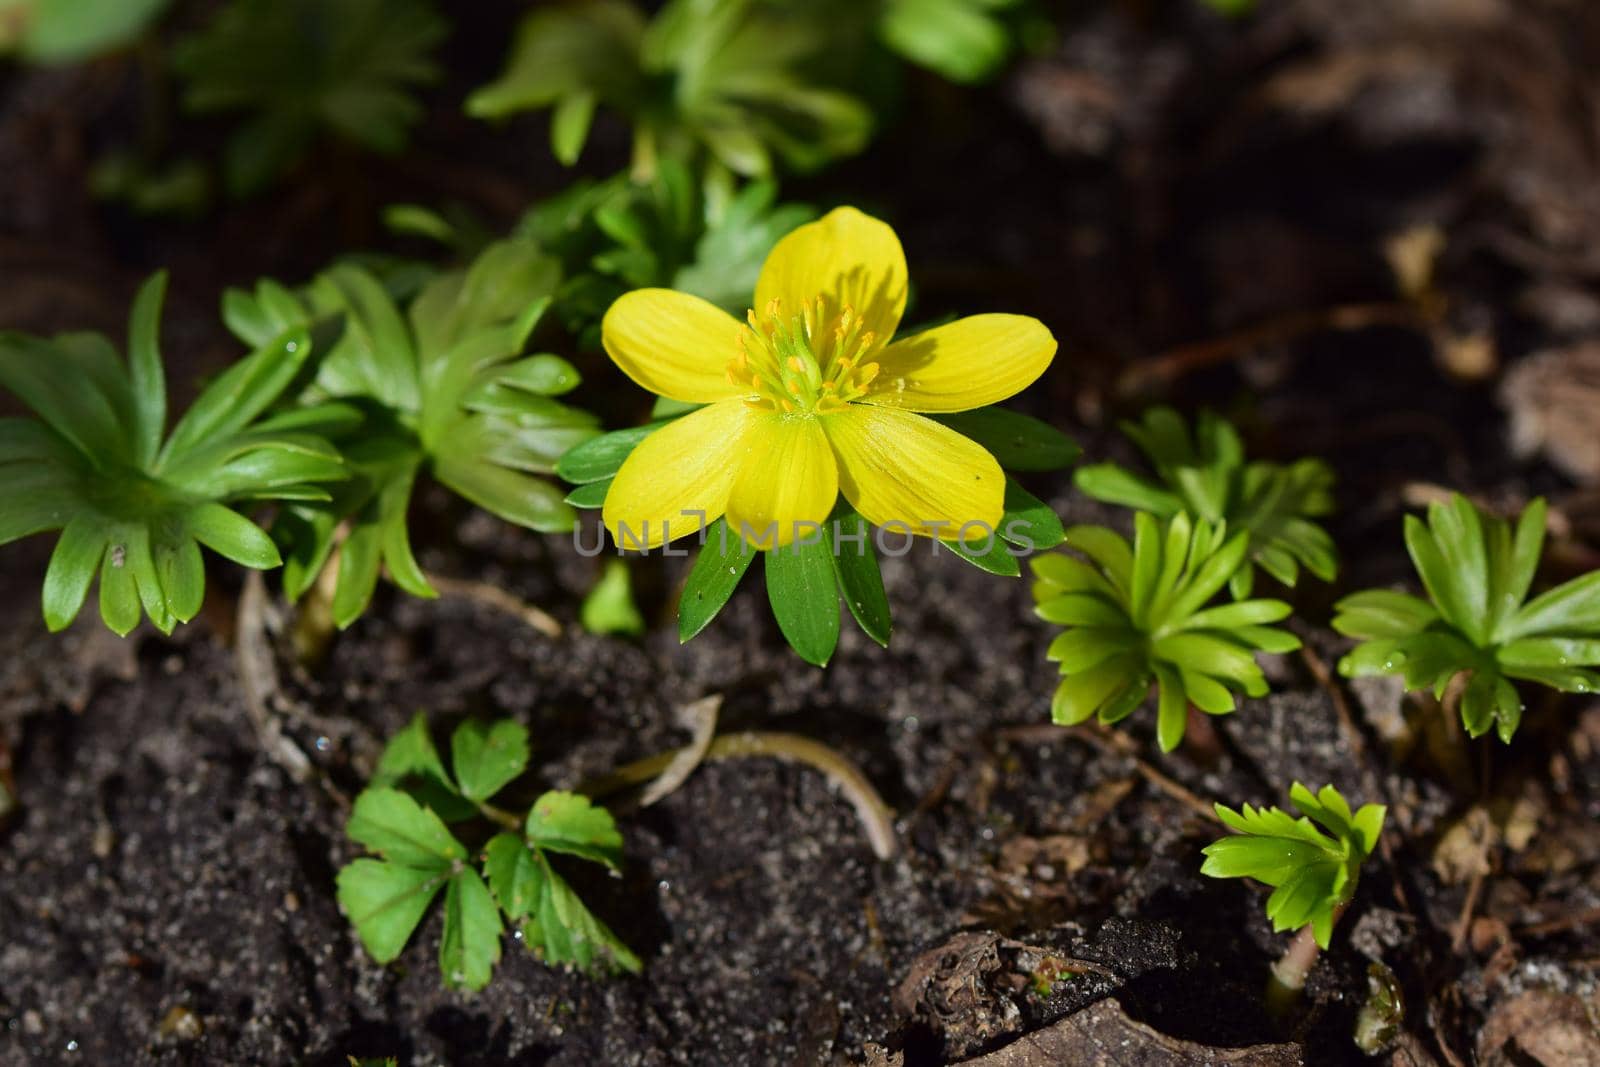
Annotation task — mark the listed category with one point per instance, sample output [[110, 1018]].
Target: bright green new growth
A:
[[403, 818], [701, 79], [1136, 616], [135, 505], [1205, 475], [68, 31], [1313, 872], [964, 40], [306, 67], [440, 388], [622, 234], [1477, 573]]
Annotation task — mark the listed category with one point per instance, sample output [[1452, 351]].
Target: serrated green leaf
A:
[[395, 826], [385, 902], [571, 823], [487, 757], [470, 946], [516, 877], [411, 752]]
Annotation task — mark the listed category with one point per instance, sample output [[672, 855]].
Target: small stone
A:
[[180, 1024]]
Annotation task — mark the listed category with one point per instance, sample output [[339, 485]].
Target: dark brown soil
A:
[[166, 893]]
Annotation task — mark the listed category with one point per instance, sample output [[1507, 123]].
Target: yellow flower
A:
[[809, 397]]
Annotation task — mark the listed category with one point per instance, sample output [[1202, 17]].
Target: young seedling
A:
[[722, 83], [133, 502], [1136, 616], [1205, 474], [800, 417], [1477, 620], [442, 389], [405, 817], [1313, 871], [305, 68]]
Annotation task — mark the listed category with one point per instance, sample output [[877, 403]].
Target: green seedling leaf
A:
[[395, 826], [570, 823], [133, 508], [385, 902], [1136, 616], [470, 946], [1477, 621], [609, 607], [487, 758], [1312, 862], [303, 68], [1205, 475]]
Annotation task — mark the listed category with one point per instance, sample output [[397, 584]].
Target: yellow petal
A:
[[906, 473], [678, 479], [788, 483], [673, 344], [846, 257], [963, 365]]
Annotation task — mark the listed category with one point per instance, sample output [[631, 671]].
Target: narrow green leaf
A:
[[1018, 442], [716, 573], [569, 125], [1029, 523], [359, 559], [601, 457], [591, 495], [855, 564], [146, 374], [72, 566], [119, 593], [804, 594], [232, 536]]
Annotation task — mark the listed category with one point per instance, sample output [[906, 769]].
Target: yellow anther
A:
[[796, 365], [865, 375]]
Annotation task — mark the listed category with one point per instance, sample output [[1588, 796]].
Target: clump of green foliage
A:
[[807, 580], [1477, 620], [717, 80], [620, 234], [68, 31], [1312, 862], [304, 68], [1136, 616], [1205, 474], [133, 502], [442, 388], [406, 817]]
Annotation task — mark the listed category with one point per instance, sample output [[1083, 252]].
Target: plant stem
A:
[[876, 818], [1289, 974]]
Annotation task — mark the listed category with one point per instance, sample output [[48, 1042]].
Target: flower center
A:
[[803, 362]]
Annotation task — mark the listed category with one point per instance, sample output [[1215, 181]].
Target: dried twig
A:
[[700, 718], [876, 818], [1117, 744], [495, 597]]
